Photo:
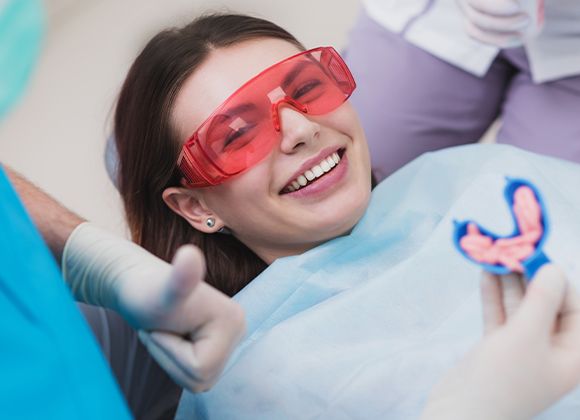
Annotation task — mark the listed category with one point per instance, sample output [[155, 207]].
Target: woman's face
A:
[[257, 206]]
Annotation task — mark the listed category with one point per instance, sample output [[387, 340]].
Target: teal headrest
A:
[[21, 30]]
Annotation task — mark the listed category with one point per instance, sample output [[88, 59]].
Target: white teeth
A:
[[316, 171]]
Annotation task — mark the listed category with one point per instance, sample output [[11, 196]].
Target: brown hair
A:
[[148, 146]]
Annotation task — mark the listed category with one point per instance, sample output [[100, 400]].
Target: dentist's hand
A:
[[189, 327], [529, 358], [500, 23]]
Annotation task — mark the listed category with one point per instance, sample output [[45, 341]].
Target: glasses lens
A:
[[325, 84], [240, 133]]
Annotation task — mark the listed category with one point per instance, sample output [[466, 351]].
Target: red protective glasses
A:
[[244, 129]]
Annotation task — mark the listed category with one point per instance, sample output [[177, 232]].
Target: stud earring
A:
[[210, 222]]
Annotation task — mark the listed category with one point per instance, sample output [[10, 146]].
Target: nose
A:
[[296, 128]]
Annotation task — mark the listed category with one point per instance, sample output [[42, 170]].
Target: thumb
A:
[[543, 301], [187, 271]]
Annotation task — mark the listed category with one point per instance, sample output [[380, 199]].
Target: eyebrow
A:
[[238, 109]]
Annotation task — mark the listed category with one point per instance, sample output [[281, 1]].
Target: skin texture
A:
[[54, 222], [250, 205]]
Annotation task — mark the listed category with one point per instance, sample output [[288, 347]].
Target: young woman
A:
[[174, 81], [231, 136]]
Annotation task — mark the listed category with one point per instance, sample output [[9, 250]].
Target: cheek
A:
[[246, 191], [345, 119]]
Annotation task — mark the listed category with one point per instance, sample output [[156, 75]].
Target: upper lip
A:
[[324, 153]]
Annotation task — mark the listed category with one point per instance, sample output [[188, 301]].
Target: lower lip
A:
[[324, 183]]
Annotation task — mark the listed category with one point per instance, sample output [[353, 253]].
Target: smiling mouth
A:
[[313, 174]]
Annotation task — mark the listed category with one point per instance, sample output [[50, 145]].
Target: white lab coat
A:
[[437, 26]]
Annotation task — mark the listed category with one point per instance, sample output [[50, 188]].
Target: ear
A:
[[188, 205]]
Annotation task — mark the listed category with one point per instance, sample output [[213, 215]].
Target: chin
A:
[[347, 220]]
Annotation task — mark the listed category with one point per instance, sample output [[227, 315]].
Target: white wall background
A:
[[56, 134]]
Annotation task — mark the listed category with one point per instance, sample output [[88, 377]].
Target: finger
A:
[[493, 312], [543, 301], [497, 23], [170, 363], [188, 270], [570, 312], [201, 360], [513, 291], [496, 7], [501, 40]]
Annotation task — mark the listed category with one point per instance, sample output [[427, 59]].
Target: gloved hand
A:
[[189, 327], [529, 358], [501, 23]]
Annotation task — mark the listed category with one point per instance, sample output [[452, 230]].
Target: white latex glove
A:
[[191, 327], [501, 23], [529, 358]]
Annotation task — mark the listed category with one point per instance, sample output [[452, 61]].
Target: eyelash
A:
[[305, 88], [237, 134]]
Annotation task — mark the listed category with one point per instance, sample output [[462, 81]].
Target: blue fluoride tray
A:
[[534, 261]]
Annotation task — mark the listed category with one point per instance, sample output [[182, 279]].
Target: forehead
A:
[[224, 71]]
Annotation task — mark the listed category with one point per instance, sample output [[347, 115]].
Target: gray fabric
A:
[[149, 392]]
